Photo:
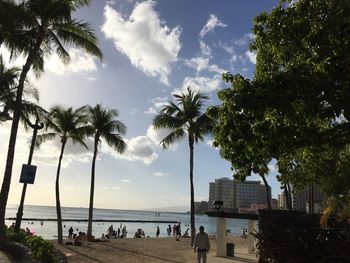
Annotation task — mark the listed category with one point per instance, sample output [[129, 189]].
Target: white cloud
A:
[[126, 181], [156, 135], [202, 84], [161, 174], [6, 54], [272, 167], [251, 56], [134, 111], [157, 104], [205, 49], [80, 62], [144, 38], [210, 143], [202, 62], [49, 151], [244, 40], [91, 79], [111, 2], [210, 25], [139, 148]]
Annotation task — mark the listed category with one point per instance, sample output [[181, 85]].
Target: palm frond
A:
[[172, 137], [104, 124], [184, 116], [79, 34], [41, 138], [163, 120], [60, 50], [116, 142]]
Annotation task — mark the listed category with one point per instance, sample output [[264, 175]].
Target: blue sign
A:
[[27, 174]]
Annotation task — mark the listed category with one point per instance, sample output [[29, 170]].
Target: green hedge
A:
[[41, 250]]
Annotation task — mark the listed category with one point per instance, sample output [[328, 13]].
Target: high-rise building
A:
[[282, 201], [300, 199], [222, 189], [236, 194]]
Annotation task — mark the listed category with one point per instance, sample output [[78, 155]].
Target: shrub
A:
[[19, 237], [42, 250]]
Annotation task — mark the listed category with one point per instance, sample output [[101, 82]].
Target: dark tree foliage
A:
[[296, 108]]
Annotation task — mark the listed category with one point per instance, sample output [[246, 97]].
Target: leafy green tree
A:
[[185, 118], [64, 124], [47, 28], [103, 125], [299, 95], [236, 136]]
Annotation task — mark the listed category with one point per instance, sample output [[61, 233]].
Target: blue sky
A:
[[151, 50]]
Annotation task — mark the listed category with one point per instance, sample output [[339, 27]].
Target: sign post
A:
[[27, 174]]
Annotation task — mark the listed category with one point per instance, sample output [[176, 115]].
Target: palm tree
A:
[[185, 117], [8, 84], [103, 124], [64, 124], [8, 81], [47, 26]]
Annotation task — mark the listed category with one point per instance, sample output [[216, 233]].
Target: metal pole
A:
[[35, 128]]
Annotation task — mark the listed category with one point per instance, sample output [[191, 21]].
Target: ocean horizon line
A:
[[155, 210], [97, 220]]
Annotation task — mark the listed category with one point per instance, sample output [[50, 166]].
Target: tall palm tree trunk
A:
[[58, 203], [92, 189], [193, 227], [268, 198], [5, 188], [7, 176]]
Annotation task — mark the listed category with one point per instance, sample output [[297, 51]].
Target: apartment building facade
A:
[[236, 195]]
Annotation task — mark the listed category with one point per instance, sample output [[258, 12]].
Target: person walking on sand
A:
[[168, 230], [158, 231], [70, 233], [201, 245]]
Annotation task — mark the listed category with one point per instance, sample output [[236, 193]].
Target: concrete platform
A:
[[241, 256]]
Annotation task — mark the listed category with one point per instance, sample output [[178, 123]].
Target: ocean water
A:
[[49, 228]]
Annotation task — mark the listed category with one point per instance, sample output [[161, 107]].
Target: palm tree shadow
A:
[[84, 255], [140, 253]]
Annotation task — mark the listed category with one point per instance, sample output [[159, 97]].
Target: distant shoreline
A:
[[95, 220], [179, 209]]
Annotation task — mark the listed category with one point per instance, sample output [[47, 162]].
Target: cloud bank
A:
[[144, 38]]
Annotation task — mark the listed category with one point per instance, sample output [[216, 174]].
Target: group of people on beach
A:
[[121, 232], [174, 231], [78, 239]]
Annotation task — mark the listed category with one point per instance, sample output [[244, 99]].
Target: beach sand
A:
[[147, 250]]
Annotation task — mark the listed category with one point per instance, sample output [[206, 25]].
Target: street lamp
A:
[[37, 126]]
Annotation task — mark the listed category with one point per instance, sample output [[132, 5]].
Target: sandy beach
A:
[[150, 250]]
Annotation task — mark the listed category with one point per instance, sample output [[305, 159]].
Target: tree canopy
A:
[[297, 102]]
